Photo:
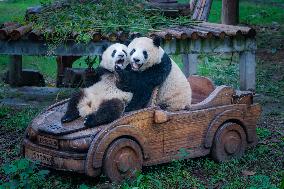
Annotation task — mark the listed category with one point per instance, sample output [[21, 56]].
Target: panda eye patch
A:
[[113, 53], [145, 54], [133, 51]]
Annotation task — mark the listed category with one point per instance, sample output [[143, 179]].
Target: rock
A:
[[29, 78]]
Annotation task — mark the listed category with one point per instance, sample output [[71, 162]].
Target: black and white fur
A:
[[154, 67], [102, 102], [150, 68]]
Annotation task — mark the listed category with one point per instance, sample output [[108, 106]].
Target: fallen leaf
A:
[[248, 173]]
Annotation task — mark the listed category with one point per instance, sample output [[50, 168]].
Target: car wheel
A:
[[229, 142], [122, 160]]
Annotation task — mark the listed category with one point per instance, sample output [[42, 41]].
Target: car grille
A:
[[49, 142]]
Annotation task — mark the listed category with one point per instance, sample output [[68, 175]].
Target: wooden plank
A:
[[202, 10], [247, 70], [227, 45], [70, 48], [185, 62], [190, 64], [15, 70], [230, 12], [230, 30]]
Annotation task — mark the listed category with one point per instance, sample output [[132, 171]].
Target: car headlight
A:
[[78, 145], [32, 135]]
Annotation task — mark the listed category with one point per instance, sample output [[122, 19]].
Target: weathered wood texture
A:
[[148, 136], [190, 64], [230, 138], [247, 70], [15, 70], [7, 29], [201, 87], [202, 10], [122, 160], [62, 63], [21, 31], [173, 46], [230, 12], [189, 41]]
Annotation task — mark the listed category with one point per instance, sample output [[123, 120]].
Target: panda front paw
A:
[[68, 118], [117, 68], [90, 121]]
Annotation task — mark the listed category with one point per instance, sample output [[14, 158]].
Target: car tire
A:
[[229, 142], [122, 160]]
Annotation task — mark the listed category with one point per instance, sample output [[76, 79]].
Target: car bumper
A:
[[54, 159]]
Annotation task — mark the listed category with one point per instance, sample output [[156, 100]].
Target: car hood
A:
[[49, 122]]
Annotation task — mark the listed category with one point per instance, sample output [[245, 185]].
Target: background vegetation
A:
[[261, 167]]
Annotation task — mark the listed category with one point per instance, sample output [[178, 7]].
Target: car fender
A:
[[102, 141], [233, 115]]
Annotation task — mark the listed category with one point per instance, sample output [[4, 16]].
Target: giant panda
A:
[[149, 60], [142, 80], [102, 102]]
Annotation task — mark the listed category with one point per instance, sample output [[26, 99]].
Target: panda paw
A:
[[117, 68], [68, 118], [90, 121]]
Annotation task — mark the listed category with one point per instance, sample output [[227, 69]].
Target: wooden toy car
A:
[[221, 122]]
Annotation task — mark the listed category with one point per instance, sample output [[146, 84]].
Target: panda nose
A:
[[136, 60], [121, 55]]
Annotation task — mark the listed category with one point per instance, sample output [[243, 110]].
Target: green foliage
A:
[[261, 181], [263, 133], [45, 65], [267, 80], [14, 119], [84, 186], [252, 13], [14, 10], [22, 174], [107, 16], [224, 70], [142, 181]]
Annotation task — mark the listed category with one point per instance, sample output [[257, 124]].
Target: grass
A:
[[14, 10], [261, 167], [251, 13]]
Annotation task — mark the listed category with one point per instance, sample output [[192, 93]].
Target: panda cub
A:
[[154, 67], [150, 68], [102, 102]]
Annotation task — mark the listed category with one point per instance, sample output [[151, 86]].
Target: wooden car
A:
[[221, 122]]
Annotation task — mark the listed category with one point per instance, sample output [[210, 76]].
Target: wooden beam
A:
[[247, 70], [189, 64], [174, 46], [15, 70], [230, 12]]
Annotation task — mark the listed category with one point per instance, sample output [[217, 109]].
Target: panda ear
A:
[[135, 35], [104, 47], [157, 41], [127, 42]]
